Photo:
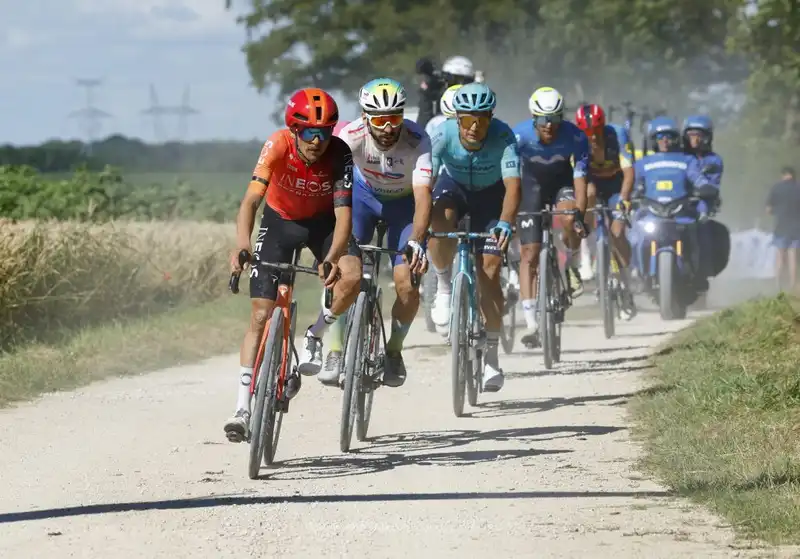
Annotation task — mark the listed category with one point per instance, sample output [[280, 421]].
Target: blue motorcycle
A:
[[663, 238]]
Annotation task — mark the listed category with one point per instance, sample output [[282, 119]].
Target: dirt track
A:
[[139, 467]]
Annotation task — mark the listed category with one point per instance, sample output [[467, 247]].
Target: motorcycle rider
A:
[[455, 70], [669, 173], [715, 239]]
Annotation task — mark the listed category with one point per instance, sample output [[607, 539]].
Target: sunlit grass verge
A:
[[181, 335], [722, 422]]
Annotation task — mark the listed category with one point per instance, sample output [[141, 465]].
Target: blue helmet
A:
[[698, 122], [474, 97], [664, 125]]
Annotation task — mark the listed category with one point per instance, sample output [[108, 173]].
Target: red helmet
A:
[[590, 118], [311, 108]]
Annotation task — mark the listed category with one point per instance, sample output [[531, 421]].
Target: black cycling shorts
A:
[[534, 200], [277, 240]]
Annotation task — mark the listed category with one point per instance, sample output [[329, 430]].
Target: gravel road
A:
[[139, 467]]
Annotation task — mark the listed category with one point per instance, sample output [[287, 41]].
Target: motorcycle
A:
[[664, 239]]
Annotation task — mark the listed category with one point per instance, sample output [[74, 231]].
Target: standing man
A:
[[784, 205]]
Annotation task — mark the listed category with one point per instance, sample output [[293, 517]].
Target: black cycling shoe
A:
[[394, 369], [531, 340]]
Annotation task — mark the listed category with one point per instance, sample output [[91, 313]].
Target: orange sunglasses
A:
[[380, 121]]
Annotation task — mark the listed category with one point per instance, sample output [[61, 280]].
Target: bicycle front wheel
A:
[[604, 286], [459, 342], [263, 418], [353, 369], [546, 318], [368, 383]]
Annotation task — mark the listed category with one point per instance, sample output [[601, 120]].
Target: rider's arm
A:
[[272, 150], [626, 159], [580, 174], [342, 205], [421, 183], [509, 170]]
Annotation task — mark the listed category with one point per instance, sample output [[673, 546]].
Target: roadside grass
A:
[[721, 422], [185, 334]]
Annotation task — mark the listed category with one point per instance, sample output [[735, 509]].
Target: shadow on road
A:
[[587, 369], [519, 407], [244, 500]]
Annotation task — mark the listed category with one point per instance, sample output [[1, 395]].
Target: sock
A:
[[492, 341], [399, 333], [573, 258], [336, 334], [324, 320], [529, 312], [243, 399], [443, 281]]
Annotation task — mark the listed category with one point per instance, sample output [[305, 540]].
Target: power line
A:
[[90, 116], [158, 111]]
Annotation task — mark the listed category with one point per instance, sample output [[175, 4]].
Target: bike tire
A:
[[271, 445], [459, 342], [544, 312], [553, 326], [509, 330], [604, 287], [353, 368], [265, 405], [367, 394]]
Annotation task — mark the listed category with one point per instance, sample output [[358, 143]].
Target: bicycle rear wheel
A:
[[263, 417], [604, 286], [546, 319], [459, 342], [368, 383], [353, 369]]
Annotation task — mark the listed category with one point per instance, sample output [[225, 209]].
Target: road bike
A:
[[275, 378]]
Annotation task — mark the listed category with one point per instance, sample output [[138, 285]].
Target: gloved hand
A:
[[624, 206], [502, 232], [418, 261], [579, 225]]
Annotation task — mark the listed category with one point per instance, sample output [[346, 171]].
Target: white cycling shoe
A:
[[440, 312], [493, 378]]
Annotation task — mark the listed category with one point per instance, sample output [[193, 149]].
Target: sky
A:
[[45, 45]]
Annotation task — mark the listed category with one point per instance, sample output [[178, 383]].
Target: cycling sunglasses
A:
[[380, 121], [308, 134], [541, 120], [467, 121]]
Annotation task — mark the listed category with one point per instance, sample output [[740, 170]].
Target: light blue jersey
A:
[[497, 158]]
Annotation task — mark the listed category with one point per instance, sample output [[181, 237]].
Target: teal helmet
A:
[[474, 97]]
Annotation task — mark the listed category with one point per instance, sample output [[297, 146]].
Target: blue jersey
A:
[[711, 166], [497, 158], [618, 154], [552, 165], [668, 176]]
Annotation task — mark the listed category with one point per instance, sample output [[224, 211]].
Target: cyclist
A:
[[305, 174], [446, 108], [669, 174], [611, 178], [392, 181], [455, 70], [553, 156], [481, 178], [715, 239]]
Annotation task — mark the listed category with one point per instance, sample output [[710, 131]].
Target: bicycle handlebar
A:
[[408, 253], [245, 257]]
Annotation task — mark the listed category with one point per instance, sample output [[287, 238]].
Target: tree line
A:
[[653, 52], [133, 156]]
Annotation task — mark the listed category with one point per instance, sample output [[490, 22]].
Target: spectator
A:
[[784, 205]]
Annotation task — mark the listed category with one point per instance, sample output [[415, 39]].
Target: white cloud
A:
[[17, 38]]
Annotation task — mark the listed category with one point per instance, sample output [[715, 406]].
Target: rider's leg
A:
[[345, 291], [447, 206], [406, 303], [530, 237], [263, 292], [565, 200], [366, 211], [485, 207]]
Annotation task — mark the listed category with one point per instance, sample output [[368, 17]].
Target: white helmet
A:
[[458, 66], [446, 103], [546, 101], [382, 95]]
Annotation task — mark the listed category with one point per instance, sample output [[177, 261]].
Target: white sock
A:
[[529, 312], [443, 281], [243, 399]]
